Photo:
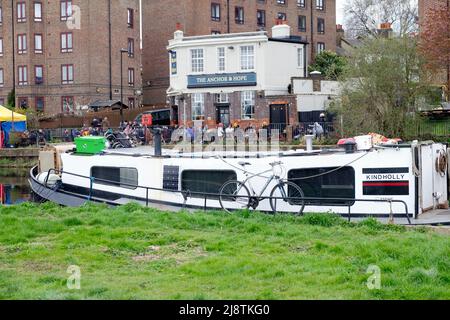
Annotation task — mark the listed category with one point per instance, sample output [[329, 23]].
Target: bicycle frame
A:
[[248, 183]]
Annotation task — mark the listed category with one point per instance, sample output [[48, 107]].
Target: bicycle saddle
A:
[[274, 164], [244, 164]]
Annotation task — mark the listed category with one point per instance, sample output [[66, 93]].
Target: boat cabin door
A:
[[432, 188]]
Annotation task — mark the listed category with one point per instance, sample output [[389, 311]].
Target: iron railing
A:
[[213, 196]]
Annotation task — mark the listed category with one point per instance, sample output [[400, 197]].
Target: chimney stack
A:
[[178, 34], [281, 30]]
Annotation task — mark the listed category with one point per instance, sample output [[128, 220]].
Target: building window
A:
[[300, 58], [222, 98], [198, 106], [215, 12], [23, 102], [2, 101], [302, 23], [131, 48], [21, 43], [130, 18], [40, 104], [39, 74], [301, 3], [21, 12], [67, 74], [221, 60], [281, 1], [282, 16], [197, 60], [66, 9], [2, 80], [247, 57], [23, 75], [131, 103], [38, 12], [66, 42], [320, 26], [131, 77], [67, 104], [1, 15], [38, 44], [248, 105], [320, 47], [261, 18], [320, 4], [1, 47], [239, 15], [325, 183]]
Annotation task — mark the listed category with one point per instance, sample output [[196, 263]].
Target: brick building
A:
[[313, 20], [60, 55], [425, 6], [242, 78]]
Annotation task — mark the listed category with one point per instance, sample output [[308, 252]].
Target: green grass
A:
[[136, 253]]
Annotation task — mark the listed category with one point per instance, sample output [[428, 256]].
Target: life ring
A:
[[442, 163]]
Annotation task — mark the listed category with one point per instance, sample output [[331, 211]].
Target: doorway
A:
[[278, 116], [223, 115]]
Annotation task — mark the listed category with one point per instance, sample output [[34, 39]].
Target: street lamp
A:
[[122, 51]]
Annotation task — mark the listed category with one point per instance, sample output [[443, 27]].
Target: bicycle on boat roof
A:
[[242, 195]]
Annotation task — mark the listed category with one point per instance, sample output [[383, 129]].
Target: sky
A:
[[340, 11]]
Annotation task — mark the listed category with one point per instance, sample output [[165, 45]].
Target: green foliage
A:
[[329, 64], [381, 87], [133, 252], [11, 99]]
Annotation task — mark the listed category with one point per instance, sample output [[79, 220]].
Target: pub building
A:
[[240, 78]]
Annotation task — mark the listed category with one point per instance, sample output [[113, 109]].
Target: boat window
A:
[[325, 183], [205, 181], [118, 177]]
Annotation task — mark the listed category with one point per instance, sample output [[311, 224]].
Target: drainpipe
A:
[[110, 51], [312, 30], [228, 16]]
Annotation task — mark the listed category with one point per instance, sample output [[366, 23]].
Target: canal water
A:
[[14, 190]]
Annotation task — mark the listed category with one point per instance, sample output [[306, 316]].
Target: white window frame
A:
[[221, 59], [37, 8], [248, 99], [300, 58], [247, 57], [197, 60], [198, 104], [38, 43]]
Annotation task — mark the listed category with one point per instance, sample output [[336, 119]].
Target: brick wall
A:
[[195, 17], [90, 56]]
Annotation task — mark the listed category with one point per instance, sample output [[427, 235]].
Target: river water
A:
[[14, 190]]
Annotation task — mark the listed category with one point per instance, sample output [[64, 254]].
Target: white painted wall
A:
[[308, 100], [275, 62]]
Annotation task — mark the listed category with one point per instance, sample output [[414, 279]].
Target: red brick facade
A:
[[195, 17], [88, 57]]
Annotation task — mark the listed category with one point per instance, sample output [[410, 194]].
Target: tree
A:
[[435, 40], [380, 87], [329, 64], [364, 16], [11, 100]]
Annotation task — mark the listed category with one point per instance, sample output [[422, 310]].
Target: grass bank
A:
[[136, 253]]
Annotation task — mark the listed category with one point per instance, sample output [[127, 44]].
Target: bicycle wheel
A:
[[291, 195], [234, 195]]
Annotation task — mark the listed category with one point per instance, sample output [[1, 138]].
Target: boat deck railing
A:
[[187, 194]]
